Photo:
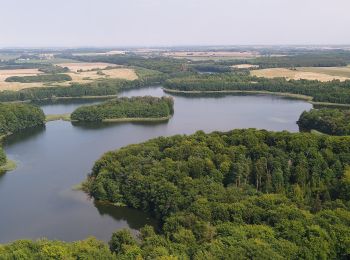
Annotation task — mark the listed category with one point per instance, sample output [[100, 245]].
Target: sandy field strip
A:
[[244, 66], [86, 66], [295, 74]]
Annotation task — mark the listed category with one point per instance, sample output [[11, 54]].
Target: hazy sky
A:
[[68, 23]]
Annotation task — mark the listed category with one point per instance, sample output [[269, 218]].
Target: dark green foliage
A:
[[333, 92], [44, 249], [329, 121], [120, 239], [2, 157], [211, 67], [306, 60], [54, 69], [15, 117], [135, 107], [40, 78], [244, 194]]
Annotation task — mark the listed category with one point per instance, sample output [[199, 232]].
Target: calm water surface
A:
[[37, 199]]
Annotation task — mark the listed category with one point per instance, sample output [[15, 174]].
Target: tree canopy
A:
[[15, 117], [242, 194], [329, 121], [134, 107]]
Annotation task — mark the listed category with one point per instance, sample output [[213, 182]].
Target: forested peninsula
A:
[[15, 117], [325, 92], [328, 121], [244, 194], [126, 109]]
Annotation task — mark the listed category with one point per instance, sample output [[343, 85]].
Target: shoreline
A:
[[66, 117], [10, 165], [137, 119], [282, 94]]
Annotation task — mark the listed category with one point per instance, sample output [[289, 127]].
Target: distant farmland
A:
[[310, 73]]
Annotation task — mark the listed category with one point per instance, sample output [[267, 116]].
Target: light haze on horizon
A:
[[64, 23]]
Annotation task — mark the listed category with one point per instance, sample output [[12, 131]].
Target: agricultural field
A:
[[323, 74], [332, 71], [4, 74], [211, 55], [89, 76], [79, 72]]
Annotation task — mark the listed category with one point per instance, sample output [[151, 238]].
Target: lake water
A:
[[38, 200]]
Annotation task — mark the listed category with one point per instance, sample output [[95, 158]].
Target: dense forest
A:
[[15, 117], [211, 67], [40, 78], [333, 91], [244, 194], [312, 59], [329, 121], [134, 107], [45, 249]]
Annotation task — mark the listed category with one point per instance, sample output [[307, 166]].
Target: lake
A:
[[38, 198]]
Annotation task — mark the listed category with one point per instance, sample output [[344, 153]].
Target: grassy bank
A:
[[10, 165], [64, 117]]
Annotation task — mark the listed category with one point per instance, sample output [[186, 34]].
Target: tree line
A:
[[103, 87], [332, 92], [134, 107], [329, 121], [40, 78], [241, 194], [297, 59]]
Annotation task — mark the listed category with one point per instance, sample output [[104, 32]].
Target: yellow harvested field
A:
[[85, 76], [86, 66], [302, 73], [89, 76], [18, 72], [4, 74], [244, 66], [332, 71]]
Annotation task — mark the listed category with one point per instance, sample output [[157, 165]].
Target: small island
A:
[[327, 121], [127, 110]]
